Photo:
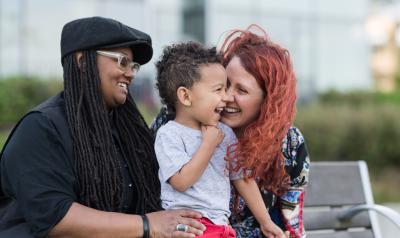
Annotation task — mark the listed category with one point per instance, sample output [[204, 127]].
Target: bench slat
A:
[[334, 184], [320, 220], [343, 234]]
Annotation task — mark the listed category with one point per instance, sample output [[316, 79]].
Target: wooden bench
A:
[[339, 203]]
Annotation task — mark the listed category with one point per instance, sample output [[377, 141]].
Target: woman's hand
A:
[[163, 223], [270, 230]]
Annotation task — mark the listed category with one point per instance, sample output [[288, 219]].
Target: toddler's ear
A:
[[183, 95]]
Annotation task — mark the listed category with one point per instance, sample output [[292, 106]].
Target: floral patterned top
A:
[[287, 210]]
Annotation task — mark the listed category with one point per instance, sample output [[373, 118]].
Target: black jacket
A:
[[38, 183]]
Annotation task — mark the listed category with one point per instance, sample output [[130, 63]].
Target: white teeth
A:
[[231, 110], [123, 85], [219, 110]]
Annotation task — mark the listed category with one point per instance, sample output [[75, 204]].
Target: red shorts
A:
[[216, 231]]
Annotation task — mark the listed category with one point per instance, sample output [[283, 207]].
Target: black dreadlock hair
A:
[[96, 163]]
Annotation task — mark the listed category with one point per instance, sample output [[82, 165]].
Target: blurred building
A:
[[326, 39], [383, 29], [30, 32]]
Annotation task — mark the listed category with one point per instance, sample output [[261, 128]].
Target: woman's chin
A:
[[115, 102], [229, 120], [120, 99]]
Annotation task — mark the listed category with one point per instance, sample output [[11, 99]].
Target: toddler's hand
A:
[[269, 229], [212, 135]]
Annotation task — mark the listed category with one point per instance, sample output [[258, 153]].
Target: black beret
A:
[[104, 33]]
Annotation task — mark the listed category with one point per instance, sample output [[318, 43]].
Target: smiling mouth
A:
[[231, 110], [219, 110], [123, 85]]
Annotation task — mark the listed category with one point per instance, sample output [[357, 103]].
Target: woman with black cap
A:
[[82, 163]]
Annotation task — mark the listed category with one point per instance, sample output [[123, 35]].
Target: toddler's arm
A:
[[248, 189], [192, 170]]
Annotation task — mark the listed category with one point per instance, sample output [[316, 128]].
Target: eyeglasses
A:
[[124, 63]]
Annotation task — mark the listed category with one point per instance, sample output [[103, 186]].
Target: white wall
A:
[[38, 50], [325, 38]]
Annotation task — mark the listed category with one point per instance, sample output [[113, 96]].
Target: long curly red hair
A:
[[259, 148]]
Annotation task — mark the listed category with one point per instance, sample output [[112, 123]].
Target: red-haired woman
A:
[[261, 109]]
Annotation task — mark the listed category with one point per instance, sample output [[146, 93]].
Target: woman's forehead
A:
[[238, 74]]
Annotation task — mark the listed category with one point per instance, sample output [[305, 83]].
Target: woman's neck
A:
[[239, 132]]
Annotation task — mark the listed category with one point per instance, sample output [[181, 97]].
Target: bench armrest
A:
[[387, 212]]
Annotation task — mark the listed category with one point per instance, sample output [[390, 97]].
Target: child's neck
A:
[[187, 121]]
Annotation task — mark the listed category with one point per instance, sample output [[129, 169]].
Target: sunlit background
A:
[[346, 55]]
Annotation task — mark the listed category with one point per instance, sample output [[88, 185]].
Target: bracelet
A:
[[146, 226]]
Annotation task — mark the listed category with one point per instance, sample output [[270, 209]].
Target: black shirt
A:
[[37, 176]]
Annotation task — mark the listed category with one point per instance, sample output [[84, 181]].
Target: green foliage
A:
[[357, 126], [353, 126], [147, 113], [391, 98], [19, 94], [3, 137], [359, 98], [354, 98], [385, 183]]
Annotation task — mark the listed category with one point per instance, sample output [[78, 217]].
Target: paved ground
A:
[[388, 229]]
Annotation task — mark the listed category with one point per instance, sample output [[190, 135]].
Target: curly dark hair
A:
[[179, 65]]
